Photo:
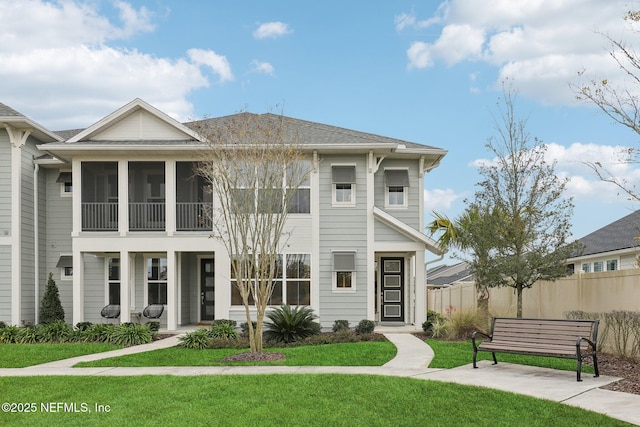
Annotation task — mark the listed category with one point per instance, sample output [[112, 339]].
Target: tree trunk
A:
[[482, 302], [519, 293]]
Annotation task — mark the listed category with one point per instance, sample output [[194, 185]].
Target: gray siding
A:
[[384, 233], [57, 234], [5, 284], [5, 183], [94, 288], [342, 228], [411, 214]]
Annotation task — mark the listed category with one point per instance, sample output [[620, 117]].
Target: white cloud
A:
[[62, 70], [540, 44], [272, 30], [263, 67], [439, 200], [584, 184]]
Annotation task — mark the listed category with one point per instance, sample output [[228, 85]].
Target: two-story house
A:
[[114, 211]]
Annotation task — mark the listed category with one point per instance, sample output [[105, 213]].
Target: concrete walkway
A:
[[412, 360]]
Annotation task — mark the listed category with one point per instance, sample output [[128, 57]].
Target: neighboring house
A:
[[613, 247], [447, 275], [112, 210]]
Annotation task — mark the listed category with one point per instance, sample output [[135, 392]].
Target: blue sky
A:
[[423, 71]]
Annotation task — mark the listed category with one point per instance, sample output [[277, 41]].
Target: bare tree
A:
[[530, 228], [255, 167], [620, 101]]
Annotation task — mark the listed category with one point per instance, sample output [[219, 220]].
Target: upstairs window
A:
[[597, 266], [612, 265], [343, 180], [66, 185], [396, 185], [586, 267]]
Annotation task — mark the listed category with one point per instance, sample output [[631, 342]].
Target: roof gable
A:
[[136, 121]]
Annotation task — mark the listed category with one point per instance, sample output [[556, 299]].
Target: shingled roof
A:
[[6, 111], [618, 235]]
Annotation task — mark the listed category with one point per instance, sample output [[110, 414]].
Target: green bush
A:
[[54, 332], [28, 335], [432, 317], [9, 334], [340, 325], [130, 334], [83, 326], [289, 324], [462, 323], [154, 326], [244, 328], [2, 325], [223, 330], [440, 328], [50, 307], [198, 339], [365, 327], [224, 322], [99, 332]]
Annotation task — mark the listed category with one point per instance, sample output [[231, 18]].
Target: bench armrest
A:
[[579, 341], [475, 334]]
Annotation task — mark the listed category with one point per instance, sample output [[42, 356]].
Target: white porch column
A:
[[172, 299], [125, 294], [123, 202], [78, 289], [421, 290], [170, 196], [18, 139]]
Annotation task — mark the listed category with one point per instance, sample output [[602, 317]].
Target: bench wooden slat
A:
[[543, 337]]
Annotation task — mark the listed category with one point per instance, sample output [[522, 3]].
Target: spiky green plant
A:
[[128, 335], [197, 340], [223, 330], [288, 324]]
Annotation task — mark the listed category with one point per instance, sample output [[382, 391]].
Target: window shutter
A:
[[343, 174], [396, 178], [344, 261]]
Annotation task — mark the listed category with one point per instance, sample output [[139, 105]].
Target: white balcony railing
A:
[[193, 216], [100, 216]]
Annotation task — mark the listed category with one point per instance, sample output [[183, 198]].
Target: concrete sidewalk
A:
[[412, 360]]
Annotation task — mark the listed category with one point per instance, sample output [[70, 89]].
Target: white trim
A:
[[408, 231], [372, 168], [16, 223], [63, 276], [351, 203]]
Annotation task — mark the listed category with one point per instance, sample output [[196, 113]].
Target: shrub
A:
[[462, 323], [603, 328], [365, 327], [50, 307], [58, 331], [130, 334], [624, 327], [99, 332], [340, 325], [289, 324], [198, 339], [224, 322], [28, 335], [223, 330], [154, 326], [432, 317], [440, 328], [9, 334], [2, 325], [244, 328], [83, 326]]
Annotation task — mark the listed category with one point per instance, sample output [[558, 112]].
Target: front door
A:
[[207, 289], [392, 289]]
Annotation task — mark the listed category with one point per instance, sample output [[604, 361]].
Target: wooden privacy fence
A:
[[591, 292]]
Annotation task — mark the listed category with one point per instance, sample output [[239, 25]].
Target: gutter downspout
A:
[[36, 241]]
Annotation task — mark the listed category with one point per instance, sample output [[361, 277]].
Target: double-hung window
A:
[[113, 281], [298, 187], [156, 281], [343, 179], [396, 186], [344, 271], [66, 185], [612, 264]]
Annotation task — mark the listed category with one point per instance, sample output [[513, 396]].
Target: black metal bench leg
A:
[[495, 361], [579, 370], [475, 353], [595, 365]]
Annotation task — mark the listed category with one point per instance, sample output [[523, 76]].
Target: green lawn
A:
[[345, 354], [279, 400], [21, 355], [450, 354]]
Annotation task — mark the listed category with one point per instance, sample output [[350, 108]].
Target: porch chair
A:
[[111, 311], [153, 311]]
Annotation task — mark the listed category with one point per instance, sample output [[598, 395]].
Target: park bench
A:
[[569, 339]]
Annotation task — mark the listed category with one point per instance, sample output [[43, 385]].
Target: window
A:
[[299, 198], [586, 267], [113, 280], [597, 266], [396, 184], [612, 265], [344, 266], [66, 187], [156, 281], [65, 264], [292, 284], [343, 185]]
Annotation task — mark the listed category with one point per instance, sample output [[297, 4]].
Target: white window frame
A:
[[586, 267], [612, 260], [63, 187], [334, 274], [601, 264], [63, 271], [107, 281], [405, 193], [351, 203], [303, 186], [146, 277]]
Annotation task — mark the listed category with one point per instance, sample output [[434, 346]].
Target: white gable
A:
[[140, 125]]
